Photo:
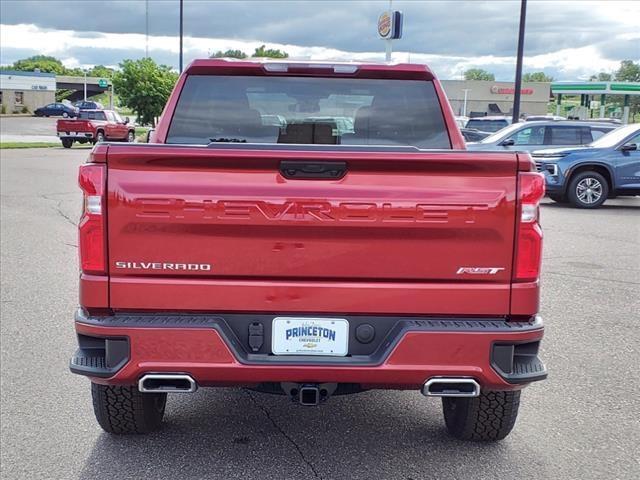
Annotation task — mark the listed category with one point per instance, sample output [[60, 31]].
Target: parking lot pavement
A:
[[28, 129], [582, 423]]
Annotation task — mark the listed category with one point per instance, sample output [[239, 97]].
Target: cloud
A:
[[564, 38], [110, 49], [438, 27]]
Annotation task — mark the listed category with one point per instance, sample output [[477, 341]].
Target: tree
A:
[[44, 63], [537, 77], [144, 86], [478, 74], [601, 77], [62, 93], [262, 51], [101, 71], [229, 54], [47, 64], [628, 71]]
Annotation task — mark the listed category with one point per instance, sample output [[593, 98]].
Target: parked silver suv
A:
[[534, 135]]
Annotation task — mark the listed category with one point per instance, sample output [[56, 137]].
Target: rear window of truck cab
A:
[[308, 110], [89, 115]]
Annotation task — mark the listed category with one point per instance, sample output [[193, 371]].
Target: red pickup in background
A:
[[95, 126]]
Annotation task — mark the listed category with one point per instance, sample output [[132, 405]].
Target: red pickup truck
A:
[[95, 126], [353, 244]]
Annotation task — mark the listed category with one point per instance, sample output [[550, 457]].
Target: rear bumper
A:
[[76, 135], [119, 349]]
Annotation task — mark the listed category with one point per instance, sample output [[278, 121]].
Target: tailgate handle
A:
[[304, 170]]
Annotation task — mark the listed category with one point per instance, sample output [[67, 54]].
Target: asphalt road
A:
[[20, 125], [28, 129], [582, 423]]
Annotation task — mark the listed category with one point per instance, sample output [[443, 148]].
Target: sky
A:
[[569, 40]]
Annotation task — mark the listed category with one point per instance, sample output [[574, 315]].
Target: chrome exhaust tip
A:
[[451, 387], [167, 382]]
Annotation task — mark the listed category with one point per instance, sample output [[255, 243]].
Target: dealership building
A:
[[30, 90], [495, 98]]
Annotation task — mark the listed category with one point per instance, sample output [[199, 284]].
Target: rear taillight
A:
[[91, 229], [528, 251]]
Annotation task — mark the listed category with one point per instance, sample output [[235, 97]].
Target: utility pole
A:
[[388, 47], [146, 23], [518, 86], [181, 31], [85, 84]]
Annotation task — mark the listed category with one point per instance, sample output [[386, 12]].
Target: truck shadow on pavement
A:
[[238, 433], [607, 206]]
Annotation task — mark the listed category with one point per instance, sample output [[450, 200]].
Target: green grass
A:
[[6, 145], [141, 134]]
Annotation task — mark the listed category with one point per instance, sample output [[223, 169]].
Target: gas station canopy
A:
[[586, 89], [596, 88]]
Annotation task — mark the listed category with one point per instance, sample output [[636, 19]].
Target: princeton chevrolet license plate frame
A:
[[331, 337]]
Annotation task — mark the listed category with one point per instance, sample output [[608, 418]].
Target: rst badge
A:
[[479, 270]]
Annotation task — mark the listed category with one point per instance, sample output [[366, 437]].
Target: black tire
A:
[[124, 410], [67, 142], [131, 136], [588, 190], [558, 198], [100, 136], [487, 418], [65, 115]]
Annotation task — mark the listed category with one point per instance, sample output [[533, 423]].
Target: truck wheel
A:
[[131, 136], [99, 136], [488, 417], [588, 190], [67, 142], [124, 409]]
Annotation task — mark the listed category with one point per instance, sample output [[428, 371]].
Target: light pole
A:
[[85, 85], [146, 27], [518, 85], [464, 105], [181, 31], [388, 47]]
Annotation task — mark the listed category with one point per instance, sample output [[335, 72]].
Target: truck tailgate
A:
[[201, 228], [73, 126]]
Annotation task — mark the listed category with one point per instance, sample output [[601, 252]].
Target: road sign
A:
[[102, 83], [384, 25], [390, 25]]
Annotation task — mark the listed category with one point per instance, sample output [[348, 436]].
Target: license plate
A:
[[310, 336]]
